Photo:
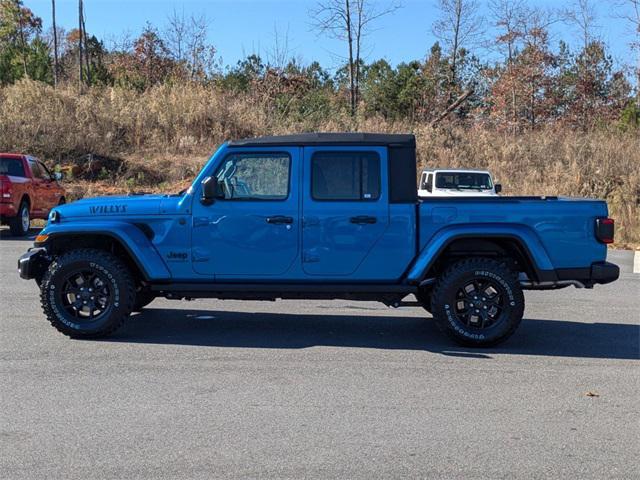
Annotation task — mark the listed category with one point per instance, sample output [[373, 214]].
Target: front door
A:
[[253, 231], [51, 192], [41, 190], [345, 207]]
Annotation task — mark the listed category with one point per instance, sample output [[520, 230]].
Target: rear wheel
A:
[[87, 293], [424, 297], [478, 302], [19, 225]]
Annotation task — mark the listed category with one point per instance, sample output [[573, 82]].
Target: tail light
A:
[[5, 189], [604, 229]]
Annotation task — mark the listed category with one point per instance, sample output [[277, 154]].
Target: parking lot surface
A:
[[321, 389]]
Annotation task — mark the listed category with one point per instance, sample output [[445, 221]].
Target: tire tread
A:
[[15, 223], [466, 264], [96, 255]]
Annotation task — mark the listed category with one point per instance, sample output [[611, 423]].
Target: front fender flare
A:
[[132, 239], [530, 242]]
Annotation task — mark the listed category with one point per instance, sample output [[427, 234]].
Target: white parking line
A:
[[636, 262]]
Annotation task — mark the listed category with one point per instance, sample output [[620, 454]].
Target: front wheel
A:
[[87, 293], [142, 300], [478, 302]]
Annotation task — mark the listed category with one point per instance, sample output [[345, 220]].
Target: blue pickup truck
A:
[[316, 216]]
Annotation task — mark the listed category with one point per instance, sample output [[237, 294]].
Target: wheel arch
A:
[[523, 247], [128, 242], [507, 247], [25, 198]]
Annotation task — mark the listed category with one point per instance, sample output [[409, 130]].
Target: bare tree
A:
[[201, 53], [175, 35], [629, 11], [186, 39], [350, 21], [458, 27], [583, 17], [80, 41], [280, 53], [55, 44], [509, 18], [83, 35]]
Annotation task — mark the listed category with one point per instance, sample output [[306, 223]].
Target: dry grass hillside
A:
[[119, 140]]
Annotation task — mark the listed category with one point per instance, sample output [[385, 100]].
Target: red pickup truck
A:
[[28, 190]]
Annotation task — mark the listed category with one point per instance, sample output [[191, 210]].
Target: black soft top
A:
[[302, 139]]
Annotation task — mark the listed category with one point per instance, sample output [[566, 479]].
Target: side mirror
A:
[[210, 190], [498, 187], [57, 176]]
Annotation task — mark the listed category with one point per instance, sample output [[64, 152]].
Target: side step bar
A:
[[271, 291]]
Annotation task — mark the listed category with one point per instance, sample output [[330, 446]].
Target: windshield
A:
[[463, 181]]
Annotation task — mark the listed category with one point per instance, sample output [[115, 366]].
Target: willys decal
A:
[[104, 209]]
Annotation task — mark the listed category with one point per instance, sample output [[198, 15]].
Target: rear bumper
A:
[[604, 272], [7, 210], [33, 263], [587, 277], [598, 273]]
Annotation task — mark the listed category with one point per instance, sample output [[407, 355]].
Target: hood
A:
[[113, 206]]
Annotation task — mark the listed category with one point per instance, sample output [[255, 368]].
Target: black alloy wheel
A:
[[478, 302]]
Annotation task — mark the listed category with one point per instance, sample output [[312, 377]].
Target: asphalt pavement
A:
[[321, 389]]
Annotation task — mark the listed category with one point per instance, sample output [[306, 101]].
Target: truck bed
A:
[[564, 226]]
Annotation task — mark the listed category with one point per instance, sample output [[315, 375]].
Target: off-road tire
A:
[[446, 295], [16, 225], [120, 282], [424, 297], [142, 300]]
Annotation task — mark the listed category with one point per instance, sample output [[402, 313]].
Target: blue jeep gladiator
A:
[[316, 216]]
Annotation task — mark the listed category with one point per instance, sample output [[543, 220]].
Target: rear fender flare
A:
[[531, 245]]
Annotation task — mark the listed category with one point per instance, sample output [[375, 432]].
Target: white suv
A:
[[457, 183]]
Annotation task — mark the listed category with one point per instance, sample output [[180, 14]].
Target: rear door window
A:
[[12, 166], [346, 176]]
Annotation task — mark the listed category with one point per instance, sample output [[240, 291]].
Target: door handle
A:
[[280, 220], [363, 220]]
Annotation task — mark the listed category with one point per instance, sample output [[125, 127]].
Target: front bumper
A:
[[33, 263]]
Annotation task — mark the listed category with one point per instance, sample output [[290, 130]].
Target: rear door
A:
[[345, 207]]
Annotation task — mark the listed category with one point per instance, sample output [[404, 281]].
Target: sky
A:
[[241, 27]]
